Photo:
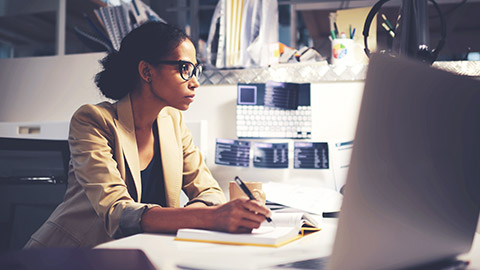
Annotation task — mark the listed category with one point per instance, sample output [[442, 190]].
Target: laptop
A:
[[413, 186]]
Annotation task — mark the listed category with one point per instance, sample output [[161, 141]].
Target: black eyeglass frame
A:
[[196, 68]]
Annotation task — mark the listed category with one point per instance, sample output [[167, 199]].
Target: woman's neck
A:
[[145, 109]]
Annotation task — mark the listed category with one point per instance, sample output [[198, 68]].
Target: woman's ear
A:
[[144, 71]]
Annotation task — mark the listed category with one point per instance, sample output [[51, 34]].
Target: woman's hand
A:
[[239, 216]]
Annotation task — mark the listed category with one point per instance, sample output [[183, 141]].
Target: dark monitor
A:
[[247, 95], [33, 176], [31, 160]]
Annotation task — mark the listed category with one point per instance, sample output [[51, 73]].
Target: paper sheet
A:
[[314, 200]]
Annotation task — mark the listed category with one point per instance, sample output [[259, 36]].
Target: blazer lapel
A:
[[172, 161], [126, 131]]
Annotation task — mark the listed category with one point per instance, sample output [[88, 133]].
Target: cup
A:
[[345, 51], [255, 187]]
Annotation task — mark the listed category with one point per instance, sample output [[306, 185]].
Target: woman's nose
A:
[[193, 82]]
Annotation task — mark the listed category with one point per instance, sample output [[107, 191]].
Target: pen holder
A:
[[345, 51], [255, 187]]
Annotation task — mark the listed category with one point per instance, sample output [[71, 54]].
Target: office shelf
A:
[[315, 72], [31, 27], [467, 68]]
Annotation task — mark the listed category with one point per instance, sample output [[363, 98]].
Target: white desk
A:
[[165, 253]]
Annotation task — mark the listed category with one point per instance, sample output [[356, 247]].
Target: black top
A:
[[153, 187]]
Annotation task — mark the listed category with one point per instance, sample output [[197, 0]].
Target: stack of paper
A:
[[119, 20], [116, 22], [247, 34]]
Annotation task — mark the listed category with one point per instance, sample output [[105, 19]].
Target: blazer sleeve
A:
[[92, 144], [198, 182]]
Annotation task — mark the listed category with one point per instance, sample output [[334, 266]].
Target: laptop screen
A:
[[412, 189]]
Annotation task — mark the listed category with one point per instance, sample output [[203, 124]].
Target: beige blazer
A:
[[104, 190]]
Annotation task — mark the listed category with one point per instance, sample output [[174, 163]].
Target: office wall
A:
[[335, 108], [50, 89]]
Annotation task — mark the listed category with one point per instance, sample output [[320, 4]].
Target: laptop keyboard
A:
[[271, 122]]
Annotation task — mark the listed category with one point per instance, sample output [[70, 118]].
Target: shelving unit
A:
[[46, 27], [316, 73]]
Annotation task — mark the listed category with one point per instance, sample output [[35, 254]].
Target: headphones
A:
[[422, 53]]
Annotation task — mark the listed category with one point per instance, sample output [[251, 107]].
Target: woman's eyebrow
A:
[[190, 61]]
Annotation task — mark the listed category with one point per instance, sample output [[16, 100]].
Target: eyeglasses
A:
[[187, 69]]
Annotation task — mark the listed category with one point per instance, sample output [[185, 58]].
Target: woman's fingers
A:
[[248, 223], [241, 215], [257, 207], [242, 230], [253, 216]]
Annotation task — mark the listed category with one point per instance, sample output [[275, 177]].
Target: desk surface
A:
[[165, 253]]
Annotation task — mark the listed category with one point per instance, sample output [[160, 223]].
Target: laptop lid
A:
[[412, 192]]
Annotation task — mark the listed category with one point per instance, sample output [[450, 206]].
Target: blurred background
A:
[[47, 27]]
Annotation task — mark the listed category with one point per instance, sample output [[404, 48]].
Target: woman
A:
[[131, 159]]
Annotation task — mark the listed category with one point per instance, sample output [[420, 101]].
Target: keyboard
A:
[[258, 121]]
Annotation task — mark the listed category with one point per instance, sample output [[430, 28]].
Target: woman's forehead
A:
[[185, 51]]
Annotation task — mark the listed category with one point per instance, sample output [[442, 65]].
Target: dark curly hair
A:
[[151, 42]]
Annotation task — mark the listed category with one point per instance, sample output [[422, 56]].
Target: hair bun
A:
[[112, 80]]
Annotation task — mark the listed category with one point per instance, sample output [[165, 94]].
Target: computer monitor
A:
[[33, 176], [412, 192]]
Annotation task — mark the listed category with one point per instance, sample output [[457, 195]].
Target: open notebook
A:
[[285, 228]]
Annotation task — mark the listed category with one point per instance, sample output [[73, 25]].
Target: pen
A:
[[245, 189], [336, 28], [388, 23], [333, 34], [390, 31], [353, 33]]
